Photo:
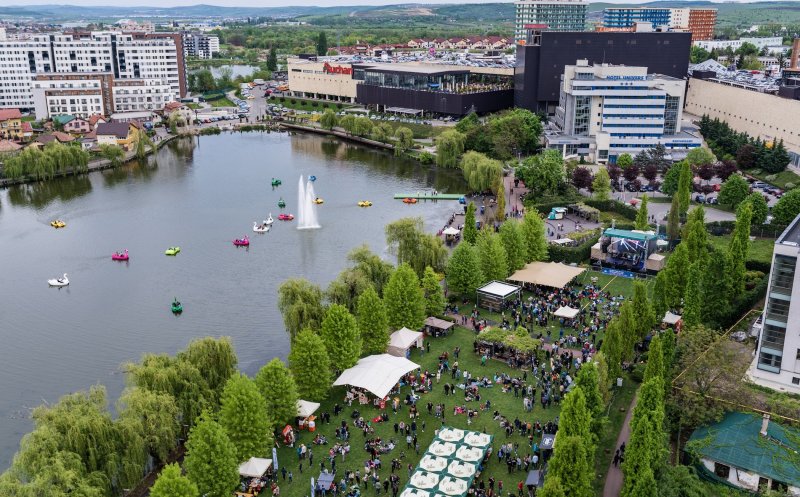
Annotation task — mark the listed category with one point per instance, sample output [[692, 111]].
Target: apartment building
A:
[[736, 44], [557, 15], [702, 23], [200, 45], [606, 110], [134, 56], [699, 22], [777, 361]]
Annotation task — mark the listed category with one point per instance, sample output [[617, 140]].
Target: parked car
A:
[[700, 198]]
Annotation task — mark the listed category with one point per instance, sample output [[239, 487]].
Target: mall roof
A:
[[402, 68]]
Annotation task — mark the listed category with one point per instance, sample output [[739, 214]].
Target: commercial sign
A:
[[336, 69], [627, 78]]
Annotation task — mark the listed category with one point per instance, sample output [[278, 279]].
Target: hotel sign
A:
[[329, 69], [627, 78]]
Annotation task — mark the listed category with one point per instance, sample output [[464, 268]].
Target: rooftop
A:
[[6, 114], [791, 235]]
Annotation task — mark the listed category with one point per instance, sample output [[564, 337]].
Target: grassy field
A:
[[760, 248], [194, 106], [780, 180], [307, 105], [505, 403], [221, 102]]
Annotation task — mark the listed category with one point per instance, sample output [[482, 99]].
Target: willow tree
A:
[[339, 331], [346, 288], [449, 147], [300, 303], [481, 172], [171, 483], [405, 140], [143, 145], [405, 304], [373, 323], [277, 386], [211, 461], [310, 366], [407, 239], [214, 358], [244, 418], [112, 153], [375, 269]]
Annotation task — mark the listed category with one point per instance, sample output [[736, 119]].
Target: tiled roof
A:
[[6, 114]]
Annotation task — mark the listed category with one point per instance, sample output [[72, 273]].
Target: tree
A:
[[310, 366], [655, 367], [491, 256], [575, 419], [373, 324], [684, 187], [405, 140], [500, 207], [470, 232], [214, 359], [348, 123], [787, 208], [644, 316], [272, 60], [112, 153], [171, 483], [677, 274], [514, 244], [533, 232], [695, 235], [346, 288], [582, 178], [734, 190], [759, 206], [543, 173], [362, 126], [243, 416], [434, 294], [381, 132], [671, 177], [375, 269], [603, 380], [737, 250], [573, 464], [205, 81], [642, 217], [552, 488], [143, 145], [329, 120], [661, 293], [692, 298], [340, 334], [322, 43], [156, 414], [277, 386], [300, 303], [407, 239], [517, 130], [481, 172], [211, 461], [624, 161], [746, 156], [449, 147], [699, 54], [700, 156], [631, 173], [463, 270], [405, 304], [601, 185], [612, 348]]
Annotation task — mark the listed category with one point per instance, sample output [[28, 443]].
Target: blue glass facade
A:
[[626, 18]]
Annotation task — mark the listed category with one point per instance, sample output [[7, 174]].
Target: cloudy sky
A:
[[246, 3]]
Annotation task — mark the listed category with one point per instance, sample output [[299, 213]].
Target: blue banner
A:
[[618, 272]]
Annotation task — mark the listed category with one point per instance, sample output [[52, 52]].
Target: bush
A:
[[569, 255], [339, 106], [325, 105], [427, 157], [788, 185], [293, 101], [624, 210], [314, 104], [212, 130], [282, 99]]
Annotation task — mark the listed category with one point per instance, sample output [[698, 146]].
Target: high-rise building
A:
[[606, 110], [557, 15], [628, 17], [777, 361], [156, 59], [700, 22], [200, 45]]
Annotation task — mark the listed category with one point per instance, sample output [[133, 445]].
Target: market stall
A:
[[255, 474], [402, 340], [437, 327], [305, 415]]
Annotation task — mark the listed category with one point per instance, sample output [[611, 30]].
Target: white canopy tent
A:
[[255, 467], [402, 340], [306, 408], [566, 312], [451, 231], [671, 319], [552, 274], [493, 294], [377, 374]]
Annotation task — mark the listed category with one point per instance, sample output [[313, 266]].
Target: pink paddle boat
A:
[[242, 242], [120, 256], [285, 217]]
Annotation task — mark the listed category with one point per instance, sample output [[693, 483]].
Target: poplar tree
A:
[[573, 464], [677, 269], [514, 244], [500, 208], [601, 185], [737, 250], [674, 220], [629, 329], [464, 270], [588, 379], [655, 360], [310, 366], [612, 348], [684, 187], [661, 294], [533, 231], [603, 380], [243, 416], [171, 483], [491, 256], [692, 298], [211, 461], [373, 324], [695, 235], [277, 386], [575, 419], [644, 315], [405, 304], [552, 487], [642, 217], [434, 293], [340, 333], [470, 232]]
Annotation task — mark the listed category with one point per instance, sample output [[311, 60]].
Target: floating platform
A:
[[429, 196]]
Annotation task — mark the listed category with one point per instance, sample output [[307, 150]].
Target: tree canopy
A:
[[171, 483], [211, 460], [405, 303], [342, 339], [243, 416], [373, 323], [300, 303], [464, 270], [277, 386], [310, 366]]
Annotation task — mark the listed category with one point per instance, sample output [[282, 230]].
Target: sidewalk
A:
[[613, 485]]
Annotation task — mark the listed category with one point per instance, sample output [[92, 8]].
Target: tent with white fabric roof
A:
[[255, 467], [377, 374], [401, 341]]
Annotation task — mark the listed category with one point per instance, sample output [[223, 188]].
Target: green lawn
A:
[[194, 106], [760, 248], [505, 403], [607, 438], [221, 102], [779, 180], [419, 130]]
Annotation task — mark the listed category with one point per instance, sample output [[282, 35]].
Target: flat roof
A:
[[631, 235], [499, 289], [399, 68], [791, 235]]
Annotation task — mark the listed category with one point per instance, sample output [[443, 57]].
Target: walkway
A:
[[613, 485], [513, 194]]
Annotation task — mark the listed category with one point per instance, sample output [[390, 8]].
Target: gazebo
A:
[[436, 327], [401, 341], [255, 467], [566, 312], [451, 235], [493, 295]]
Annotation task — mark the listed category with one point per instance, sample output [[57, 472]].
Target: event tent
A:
[[493, 294], [402, 340], [255, 467], [552, 274], [376, 373], [451, 231], [435, 326], [306, 408], [566, 312]]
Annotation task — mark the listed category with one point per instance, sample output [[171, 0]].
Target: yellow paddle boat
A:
[[58, 224], [318, 201], [365, 203]]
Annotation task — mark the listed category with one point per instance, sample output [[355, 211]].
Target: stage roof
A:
[[552, 274]]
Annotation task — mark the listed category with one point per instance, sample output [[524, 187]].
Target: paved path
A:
[[512, 194], [613, 485]]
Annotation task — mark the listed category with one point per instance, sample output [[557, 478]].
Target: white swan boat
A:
[[268, 221], [260, 228], [63, 281]]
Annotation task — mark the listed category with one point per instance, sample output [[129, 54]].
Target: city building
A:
[[200, 45], [125, 56], [628, 17], [777, 361], [736, 44], [699, 22], [606, 110], [10, 124], [122, 134], [702, 23], [748, 452], [541, 61], [557, 15], [128, 25]]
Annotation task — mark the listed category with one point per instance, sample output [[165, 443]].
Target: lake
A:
[[198, 194], [236, 70]]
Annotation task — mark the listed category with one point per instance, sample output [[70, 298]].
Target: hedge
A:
[[719, 228], [624, 210], [577, 255]]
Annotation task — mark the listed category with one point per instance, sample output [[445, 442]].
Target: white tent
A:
[[306, 408], [402, 340], [451, 231], [566, 312], [255, 467], [376, 373], [671, 319]]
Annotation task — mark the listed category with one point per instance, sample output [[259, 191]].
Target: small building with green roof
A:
[[749, 452]]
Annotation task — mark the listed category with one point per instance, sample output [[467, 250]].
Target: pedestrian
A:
[[616, 458], [283, 472], [291, 477]]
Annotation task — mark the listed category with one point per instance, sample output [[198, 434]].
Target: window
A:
[[795, 381], [722, 470]]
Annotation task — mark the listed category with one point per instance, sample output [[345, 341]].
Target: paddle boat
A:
[[276, 182], [318, 201], [281, 203], [409, 200], [58, 223], [242, 242], [365, 203], [462, 200], [268, 221], [260, 228], [120, 256], [312, 178], [285, 217], [177, 307], [63, 281], [172, 251]]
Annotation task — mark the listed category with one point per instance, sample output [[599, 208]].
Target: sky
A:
[[251, 3]]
